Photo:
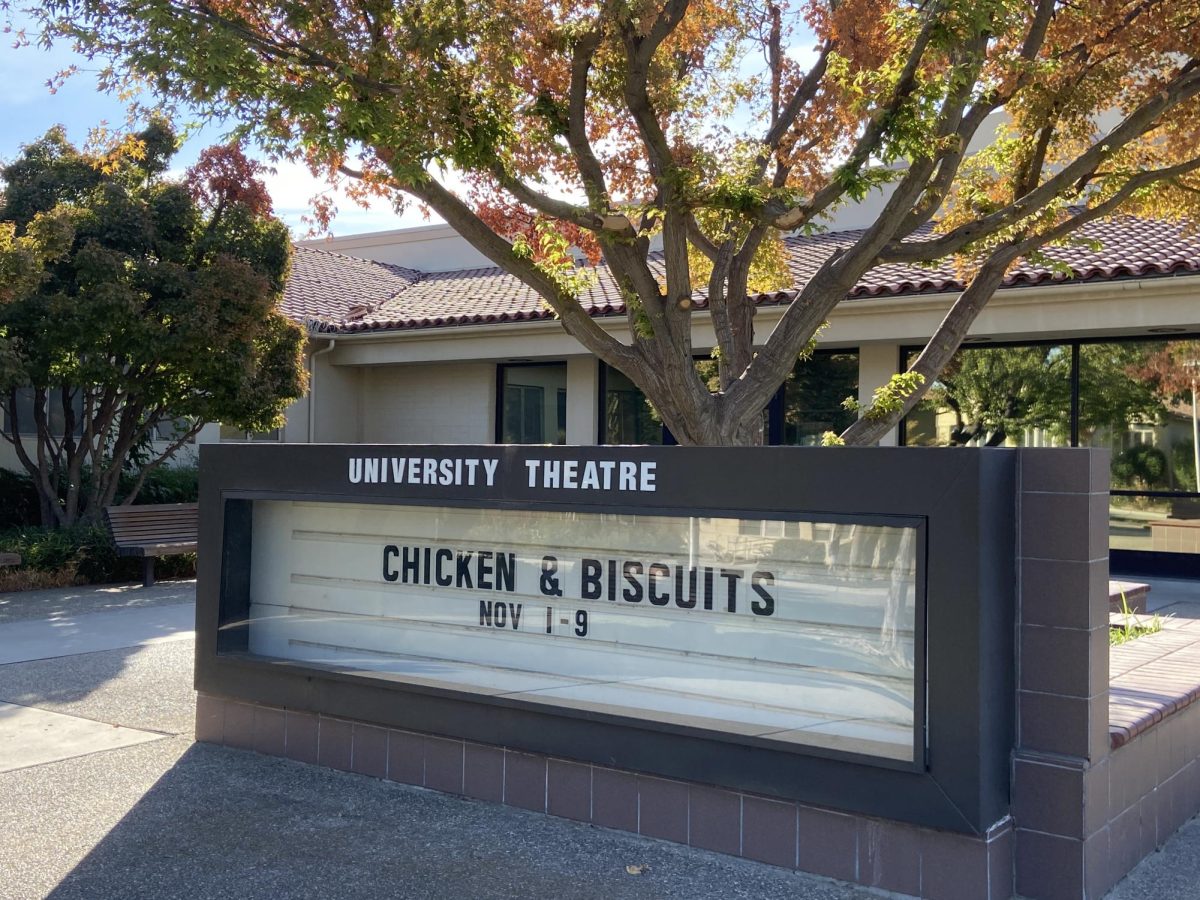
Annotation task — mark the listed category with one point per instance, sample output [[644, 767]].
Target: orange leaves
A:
[[224, 175]]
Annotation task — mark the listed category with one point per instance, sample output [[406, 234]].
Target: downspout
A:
[[312, 388]]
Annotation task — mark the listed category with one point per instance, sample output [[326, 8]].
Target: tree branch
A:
[[1183, 87]]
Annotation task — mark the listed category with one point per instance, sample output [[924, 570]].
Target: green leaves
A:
[[888, 398], [141, 299]]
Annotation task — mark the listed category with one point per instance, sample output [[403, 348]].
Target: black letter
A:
[[506, 568], [443, 555], [411, 567], [483, 570], [390, 574], [589, 579], [688, 602], [732, 577], [463, 567], [657, 570], [768, 602], [630, 569], [485, 612]]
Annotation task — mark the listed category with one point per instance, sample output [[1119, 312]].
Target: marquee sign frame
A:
[[962, 503]]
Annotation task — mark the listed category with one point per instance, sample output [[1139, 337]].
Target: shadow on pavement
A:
[[88, 598], [229, 823], [62, 680]]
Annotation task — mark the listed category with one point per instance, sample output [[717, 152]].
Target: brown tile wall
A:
[[1084, 815], [1060, 765], [888, 855]]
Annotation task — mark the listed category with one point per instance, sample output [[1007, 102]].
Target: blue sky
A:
[[28, 109]]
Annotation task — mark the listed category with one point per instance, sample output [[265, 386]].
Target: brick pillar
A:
[[1060, 777]]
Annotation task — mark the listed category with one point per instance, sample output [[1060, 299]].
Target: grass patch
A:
[[20, 578], [1130, 629]]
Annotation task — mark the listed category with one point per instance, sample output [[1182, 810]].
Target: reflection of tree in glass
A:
[[1166, 368], [814, 396], [1113, 394], [997, 393], [1171, 371]]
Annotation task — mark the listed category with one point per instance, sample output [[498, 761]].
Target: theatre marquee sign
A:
[[725, 595]]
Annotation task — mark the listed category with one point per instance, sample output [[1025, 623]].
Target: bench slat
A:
[[154, 530]]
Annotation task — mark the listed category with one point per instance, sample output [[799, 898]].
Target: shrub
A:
[[82, 554], [166, 484], [18, 500], [1141, 466], [1184, 463]]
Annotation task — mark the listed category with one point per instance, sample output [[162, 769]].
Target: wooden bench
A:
[[10, 559], [153, 530]]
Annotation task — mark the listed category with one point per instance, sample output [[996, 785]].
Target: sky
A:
[[28, 109]]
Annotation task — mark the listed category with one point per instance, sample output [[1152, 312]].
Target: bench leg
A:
[[147, 571]]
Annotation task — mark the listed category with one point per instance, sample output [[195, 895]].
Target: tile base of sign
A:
[[885, 854]]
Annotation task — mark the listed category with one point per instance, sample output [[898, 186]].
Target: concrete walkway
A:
[[104, 794]]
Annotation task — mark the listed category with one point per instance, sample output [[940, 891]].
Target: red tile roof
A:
[[328, 288], [333, 293]]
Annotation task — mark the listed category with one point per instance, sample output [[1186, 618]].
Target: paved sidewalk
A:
[[164, 817]]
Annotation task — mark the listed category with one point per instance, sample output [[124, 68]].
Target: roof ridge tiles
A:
[[1132, 248], [394, 267]]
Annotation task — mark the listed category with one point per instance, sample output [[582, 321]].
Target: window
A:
[[54, 412], [628, 417], [230, 433], [532, 404], [812, 398], [1132, 396], [171, 429], [1135, 397], [1016, 396], [808, 404]]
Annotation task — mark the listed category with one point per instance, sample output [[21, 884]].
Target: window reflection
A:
[[1134, 397], [998, 397], [810, 403], [813, 397], [533, 404], [628, 416]]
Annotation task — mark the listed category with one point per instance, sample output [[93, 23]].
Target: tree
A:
[[140, 308], [704, 123]]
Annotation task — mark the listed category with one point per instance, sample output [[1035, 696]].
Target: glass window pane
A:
[[813, 397], [171, 429], [800, 632], [997, 397], [532, 410], [24, 412], [232, 433], [1135, 397], [628, 416]]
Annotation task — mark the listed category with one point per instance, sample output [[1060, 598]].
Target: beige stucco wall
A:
[[427, 404]]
